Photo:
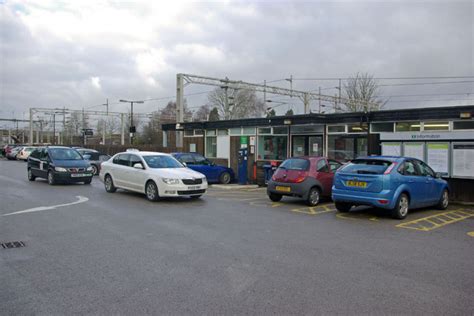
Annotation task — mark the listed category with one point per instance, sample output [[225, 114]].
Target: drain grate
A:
[[12, 244]]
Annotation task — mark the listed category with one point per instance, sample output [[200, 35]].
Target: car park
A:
[[213, 172], [94, 157], [394, 183], [309, 178], [58, 164], [24, 153], [155, 174]]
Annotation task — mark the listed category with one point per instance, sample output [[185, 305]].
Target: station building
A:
[[441, 136]]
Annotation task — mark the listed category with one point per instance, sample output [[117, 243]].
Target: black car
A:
[[59, 164], [94, 157]]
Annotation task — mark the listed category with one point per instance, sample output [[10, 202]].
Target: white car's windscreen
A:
[[161, 161]]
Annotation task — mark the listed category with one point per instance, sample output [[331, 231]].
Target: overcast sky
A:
[[78, 53]]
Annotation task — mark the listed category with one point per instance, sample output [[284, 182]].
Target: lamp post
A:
[[132, 128], [105, 120]]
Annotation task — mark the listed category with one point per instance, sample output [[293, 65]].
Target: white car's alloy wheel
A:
[[151, 191]]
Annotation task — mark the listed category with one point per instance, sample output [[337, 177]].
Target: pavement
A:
[[231, 252]]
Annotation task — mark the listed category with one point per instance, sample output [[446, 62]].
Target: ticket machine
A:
[[243, 165]]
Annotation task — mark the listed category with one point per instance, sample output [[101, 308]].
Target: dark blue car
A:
[[394, 183], [59, 164], [199, 163]]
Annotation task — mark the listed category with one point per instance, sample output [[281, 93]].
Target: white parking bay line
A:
[[80, 199]]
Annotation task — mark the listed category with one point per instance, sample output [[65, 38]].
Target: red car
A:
[[309, 178]]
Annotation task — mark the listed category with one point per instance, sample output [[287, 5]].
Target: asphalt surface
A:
[[232, 252]]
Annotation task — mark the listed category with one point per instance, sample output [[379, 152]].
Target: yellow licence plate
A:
[[283, 189], [358, 184]]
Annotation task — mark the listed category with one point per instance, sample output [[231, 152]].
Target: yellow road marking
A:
[[470, 234], [429, 223], [239, 199], [342, 215]]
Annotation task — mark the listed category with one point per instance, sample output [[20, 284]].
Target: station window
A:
[[211, 132], [264, 130], [222, 132], [307, 129], [436, 126], [407, 126], [235, 131], [198, 132], [211, 146], [463, 125], [336, 128], [381, 127], [165, 139], [357, 128], [280, 130], [272, 147], [249, 130], [344, 148], [188, 132]]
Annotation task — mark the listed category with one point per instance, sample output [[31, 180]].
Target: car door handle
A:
[[411, 181]]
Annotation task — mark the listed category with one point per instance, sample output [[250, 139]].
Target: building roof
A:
[[416, 114]]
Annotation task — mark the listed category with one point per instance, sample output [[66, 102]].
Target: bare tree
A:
[[168, 113], [235, 104], [362, 90], [214, 115], [271, 113], [202, 114]]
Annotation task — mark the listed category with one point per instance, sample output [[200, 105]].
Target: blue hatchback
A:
[[199, 163], [394, 183]]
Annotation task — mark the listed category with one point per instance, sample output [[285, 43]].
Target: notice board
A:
[[438, 157], [391, 149], [414, 150], [463, 160]]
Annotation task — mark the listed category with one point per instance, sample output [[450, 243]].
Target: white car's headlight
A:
[[170, 181], [60, 169], [204, 179], [89, 169]]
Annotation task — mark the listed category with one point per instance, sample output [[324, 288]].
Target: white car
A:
[[155, 174], [24, 153]]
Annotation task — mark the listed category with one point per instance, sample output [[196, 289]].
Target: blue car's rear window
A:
[[366, 166], [295, 164]]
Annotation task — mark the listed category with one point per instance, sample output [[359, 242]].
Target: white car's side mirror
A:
[[185, 164], [138, 166]]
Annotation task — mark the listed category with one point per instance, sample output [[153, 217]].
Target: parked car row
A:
[[396, 184], [17, 151]]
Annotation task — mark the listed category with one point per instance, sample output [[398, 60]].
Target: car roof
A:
[[184, 153], [388, 158], [306, 157], [145, 153], [58, 147]]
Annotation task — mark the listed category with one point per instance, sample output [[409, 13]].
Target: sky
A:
[[77, 54]]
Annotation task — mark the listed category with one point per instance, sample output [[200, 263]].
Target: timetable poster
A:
[[438, 157], [414, 150], [463, 160], [391, 149]]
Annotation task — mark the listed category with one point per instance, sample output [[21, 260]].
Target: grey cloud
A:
[[305, 39]]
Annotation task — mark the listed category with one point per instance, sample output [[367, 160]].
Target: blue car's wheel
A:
[[401, 208], [224, 178], [444, 200]]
